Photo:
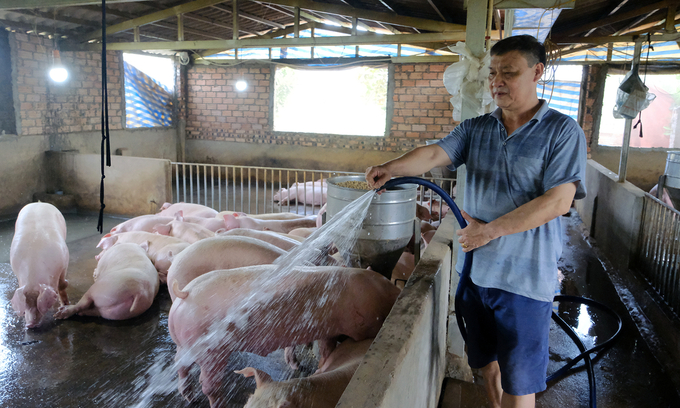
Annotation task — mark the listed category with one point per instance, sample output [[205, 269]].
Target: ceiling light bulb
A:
[[58, 74]]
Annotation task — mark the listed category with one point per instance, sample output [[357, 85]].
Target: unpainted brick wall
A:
[[216, 111], [593, 103], [75, 105]]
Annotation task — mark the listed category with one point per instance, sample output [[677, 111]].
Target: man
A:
[[525, 164]]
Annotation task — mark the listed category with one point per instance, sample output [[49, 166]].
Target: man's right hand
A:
[[377, 176]]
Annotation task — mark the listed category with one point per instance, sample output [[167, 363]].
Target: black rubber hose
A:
[[465, 275], [467, 264]]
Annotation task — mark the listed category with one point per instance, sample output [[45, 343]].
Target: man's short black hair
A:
[[527, 45]]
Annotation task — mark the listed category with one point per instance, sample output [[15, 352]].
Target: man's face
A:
[[512, 81]]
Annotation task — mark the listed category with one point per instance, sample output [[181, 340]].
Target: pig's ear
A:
[[164, 206], [179, 215], [145, 246], [19, 301], [220, 231], [46, 299], [163, 229], [107, 241], [261, 377], [230, 221]]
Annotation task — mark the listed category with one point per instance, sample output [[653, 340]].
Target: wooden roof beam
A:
[[420, 23], [33, 4], [615, 18], [366, 39], [257, 19], [154, 17]]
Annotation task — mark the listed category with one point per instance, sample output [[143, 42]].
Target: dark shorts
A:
[[511, 329]]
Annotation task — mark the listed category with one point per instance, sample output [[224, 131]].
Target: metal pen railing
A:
[[253, 189], [658, 258]]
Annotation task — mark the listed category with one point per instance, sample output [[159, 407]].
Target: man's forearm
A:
[[418, 161], [535, 213]]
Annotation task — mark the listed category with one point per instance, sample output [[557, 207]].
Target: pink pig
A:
[[311, 192], [232, 221], [259, 309], [266, 216], [279, 240], [186, 231], [141, 223], [225, 252], [39, 259], [189, 210], [125, 285], [321, 390], [161, 249]]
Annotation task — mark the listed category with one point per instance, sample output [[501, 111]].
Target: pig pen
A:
[[88, 362]]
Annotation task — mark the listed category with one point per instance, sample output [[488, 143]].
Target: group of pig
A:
[[227, 294]]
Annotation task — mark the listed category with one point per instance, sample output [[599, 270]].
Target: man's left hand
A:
[[475, 235]]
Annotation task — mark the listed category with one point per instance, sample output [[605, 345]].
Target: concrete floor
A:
[[90, 362]]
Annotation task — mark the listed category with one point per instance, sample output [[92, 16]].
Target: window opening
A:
[[349, 101], [660, 120], [149, 88]]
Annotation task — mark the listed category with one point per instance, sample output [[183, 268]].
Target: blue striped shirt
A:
[[505, 172]]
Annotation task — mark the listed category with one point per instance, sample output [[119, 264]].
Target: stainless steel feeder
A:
[[388, 226]]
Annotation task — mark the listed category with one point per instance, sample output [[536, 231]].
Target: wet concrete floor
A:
[[87, 362], [626, 375], [91, 362]]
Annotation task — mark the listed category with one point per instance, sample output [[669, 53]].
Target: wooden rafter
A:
[[421, 23], [366, 39], [617, 17], [154, 17], [32, 4]]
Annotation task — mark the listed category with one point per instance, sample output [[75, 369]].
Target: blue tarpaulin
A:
[[147, 102]]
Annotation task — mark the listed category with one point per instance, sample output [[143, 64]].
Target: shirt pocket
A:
[[525, 178]]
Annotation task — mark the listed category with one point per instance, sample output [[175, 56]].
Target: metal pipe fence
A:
[[658, 258], [257, 190]]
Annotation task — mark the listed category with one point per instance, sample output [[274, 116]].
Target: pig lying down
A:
[[321, 390], [125, 285], [188, 210], [258, 309], [232, 221], [39, 259], [160, 249]]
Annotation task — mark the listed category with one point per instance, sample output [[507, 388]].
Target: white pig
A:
[[280, 240], [161, 249], [232, 221], [259, 309], [189, 210], [225, 252], [39, 259], [186, 231], [125, 285]]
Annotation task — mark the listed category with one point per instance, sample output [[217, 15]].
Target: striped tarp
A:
[[147, 102], [562, 96], [622, 52]]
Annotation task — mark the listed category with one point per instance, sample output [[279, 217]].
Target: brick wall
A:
[[216, 111], [74, 106], [593, 102]]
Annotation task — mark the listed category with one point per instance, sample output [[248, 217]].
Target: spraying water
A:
[[295, 269]]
